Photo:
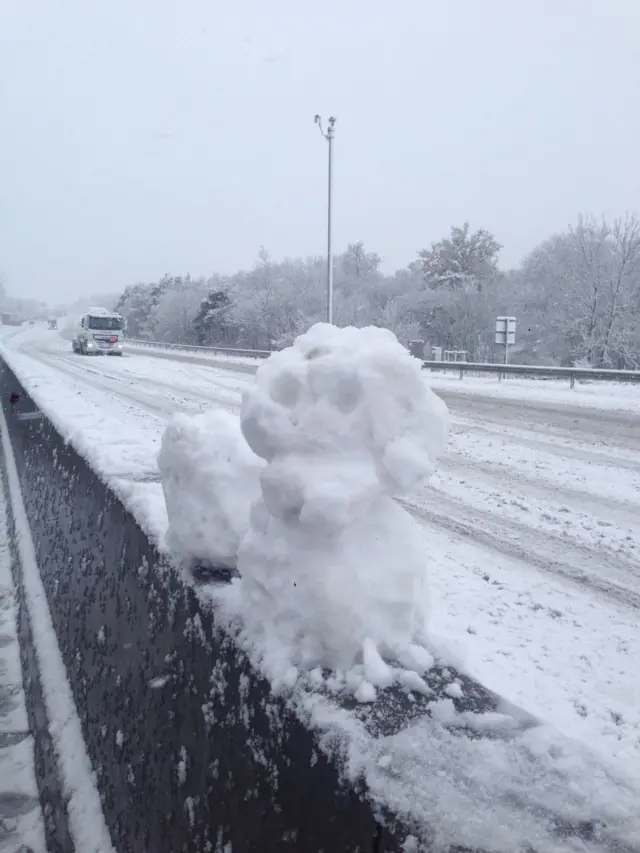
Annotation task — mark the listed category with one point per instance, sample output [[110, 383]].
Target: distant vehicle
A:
[[9, 319], [99, 332], [53, 323]]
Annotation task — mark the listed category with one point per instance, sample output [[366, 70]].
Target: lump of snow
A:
[[332, 568], [454, 690], [210, 478]]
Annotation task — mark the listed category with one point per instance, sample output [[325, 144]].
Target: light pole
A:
[[329, 137]]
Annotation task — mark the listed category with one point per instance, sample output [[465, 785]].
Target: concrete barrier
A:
[[190, 748]]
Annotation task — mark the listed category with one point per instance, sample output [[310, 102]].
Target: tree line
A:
[[576, 298]]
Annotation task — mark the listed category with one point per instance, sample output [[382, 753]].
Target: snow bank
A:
[[333, 570], [210, 479]]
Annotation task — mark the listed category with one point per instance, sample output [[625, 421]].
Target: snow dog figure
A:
[[333, 566]]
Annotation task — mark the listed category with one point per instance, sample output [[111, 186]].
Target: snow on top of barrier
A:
[[499, 786]]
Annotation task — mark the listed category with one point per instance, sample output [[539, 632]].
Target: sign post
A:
[[506, 334]]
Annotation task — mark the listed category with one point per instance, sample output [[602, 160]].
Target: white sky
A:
[[139, 137]]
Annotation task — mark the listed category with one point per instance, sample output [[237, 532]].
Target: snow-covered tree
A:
[[135, 305], [464, 261], [585, 284], [138, 304], [576, 297], [213, 319], [176, 309], [356, 262]]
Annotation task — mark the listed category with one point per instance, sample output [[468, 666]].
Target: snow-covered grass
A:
[[525, 526]]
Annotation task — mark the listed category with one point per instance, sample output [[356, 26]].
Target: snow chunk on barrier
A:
[[333, 569], [514, 786], [210, 478]]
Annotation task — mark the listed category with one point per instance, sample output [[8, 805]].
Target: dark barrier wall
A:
[[190, 747]]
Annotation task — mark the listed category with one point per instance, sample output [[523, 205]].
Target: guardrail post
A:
[[462, 373], [573, 380]]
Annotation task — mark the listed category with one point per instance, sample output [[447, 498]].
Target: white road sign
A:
[[506, 330]]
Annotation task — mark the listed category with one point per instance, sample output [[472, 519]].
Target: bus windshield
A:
[[110, 324]]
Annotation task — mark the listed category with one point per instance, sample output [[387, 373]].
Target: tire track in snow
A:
[[549, 420], [562, 447], [542, 488], [609, 574]]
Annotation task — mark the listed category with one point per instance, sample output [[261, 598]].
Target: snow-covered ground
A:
[[20, 814], [531, 524]]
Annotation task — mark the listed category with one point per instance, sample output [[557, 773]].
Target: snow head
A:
[[332, 566], [344, 414]]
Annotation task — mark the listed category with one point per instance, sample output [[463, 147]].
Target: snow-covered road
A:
[[532, 522]]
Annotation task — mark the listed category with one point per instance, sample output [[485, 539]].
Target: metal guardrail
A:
[[244, 353], [461, 367], [535, 371]]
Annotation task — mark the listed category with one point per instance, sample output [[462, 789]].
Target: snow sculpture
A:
[[333, 569]]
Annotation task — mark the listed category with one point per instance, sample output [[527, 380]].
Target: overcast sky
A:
[[139, 137]]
